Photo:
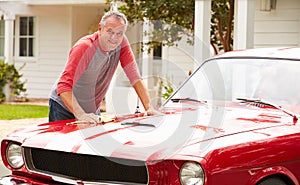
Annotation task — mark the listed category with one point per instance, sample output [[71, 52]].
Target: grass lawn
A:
[[21, 111]]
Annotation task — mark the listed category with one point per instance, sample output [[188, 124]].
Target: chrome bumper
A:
[[12, 181]]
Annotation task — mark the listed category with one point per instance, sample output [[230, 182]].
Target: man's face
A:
[[112, 33]]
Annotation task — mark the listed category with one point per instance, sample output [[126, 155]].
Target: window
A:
[[25, 37], [157, 52], [2, 30]]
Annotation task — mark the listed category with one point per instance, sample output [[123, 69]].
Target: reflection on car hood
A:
[[193, 131]]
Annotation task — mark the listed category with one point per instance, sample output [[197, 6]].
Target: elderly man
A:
[[91, 65]]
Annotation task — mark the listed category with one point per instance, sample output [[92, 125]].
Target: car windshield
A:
[[227, 79]]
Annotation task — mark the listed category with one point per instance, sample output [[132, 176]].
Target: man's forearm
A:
[[71, 103], [143, 94]]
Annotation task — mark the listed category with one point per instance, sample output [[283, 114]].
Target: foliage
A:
[[177, 19], [10, 76], [167, 89], [20, 111]]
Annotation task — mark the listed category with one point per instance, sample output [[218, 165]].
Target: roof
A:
[[287, 52]]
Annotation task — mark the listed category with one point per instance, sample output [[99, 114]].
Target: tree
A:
[[222, 24], [177, 19]]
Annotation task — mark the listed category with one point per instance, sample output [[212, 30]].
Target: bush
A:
[[10, 76]]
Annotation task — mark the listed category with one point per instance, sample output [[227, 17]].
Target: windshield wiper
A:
[[138, 124], [262, 104], [176, 100]]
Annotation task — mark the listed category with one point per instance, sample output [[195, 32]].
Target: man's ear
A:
[[99, 27]]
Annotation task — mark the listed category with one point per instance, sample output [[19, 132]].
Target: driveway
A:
[[7, 126]]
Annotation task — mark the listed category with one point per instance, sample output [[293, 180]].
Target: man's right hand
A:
[[89, 117]]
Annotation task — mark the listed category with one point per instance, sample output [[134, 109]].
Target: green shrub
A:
[[10, 76], [167, 90]]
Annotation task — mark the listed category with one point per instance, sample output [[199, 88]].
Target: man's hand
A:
[[151, 111], [90, 117], [105, 118]]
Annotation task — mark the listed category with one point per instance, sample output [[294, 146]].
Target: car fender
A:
[[258, 174]]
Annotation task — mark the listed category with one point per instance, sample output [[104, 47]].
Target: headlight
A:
[[14, 155], [191, 173]]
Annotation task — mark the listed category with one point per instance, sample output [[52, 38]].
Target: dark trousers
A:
[[58, 112]]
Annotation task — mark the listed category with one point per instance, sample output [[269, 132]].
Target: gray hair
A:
[[115, 14]]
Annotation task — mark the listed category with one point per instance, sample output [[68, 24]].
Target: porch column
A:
[[202, 31], [244, 24], [9, 38], [8, 46]]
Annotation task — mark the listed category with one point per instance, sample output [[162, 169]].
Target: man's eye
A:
[[111, 32], [119, 34]]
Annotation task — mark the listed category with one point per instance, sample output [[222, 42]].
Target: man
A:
[[91, 64]]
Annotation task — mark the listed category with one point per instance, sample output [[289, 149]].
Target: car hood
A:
[[177, 133]]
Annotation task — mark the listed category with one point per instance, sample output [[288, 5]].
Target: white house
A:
[[40, 34]]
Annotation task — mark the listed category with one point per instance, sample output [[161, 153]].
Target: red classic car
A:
[[234, 121]]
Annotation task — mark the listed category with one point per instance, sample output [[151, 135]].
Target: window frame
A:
[[17, 37]]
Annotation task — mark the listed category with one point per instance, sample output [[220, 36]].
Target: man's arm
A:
[[143, 94], [72, 104]]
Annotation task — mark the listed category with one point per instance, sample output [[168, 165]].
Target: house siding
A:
[[278, 27], [177, 62]]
